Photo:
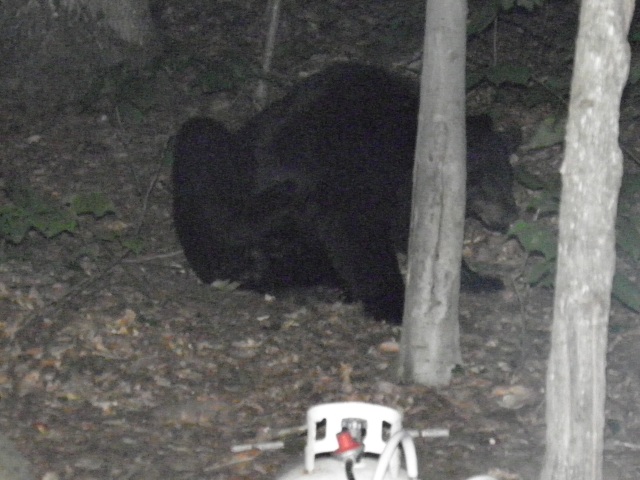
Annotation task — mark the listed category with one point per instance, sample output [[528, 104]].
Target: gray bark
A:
[[50, 52], [591, 176], [430, 337]]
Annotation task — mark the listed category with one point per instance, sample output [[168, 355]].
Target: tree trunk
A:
[[53, 52], [430, 338], [591, 176]]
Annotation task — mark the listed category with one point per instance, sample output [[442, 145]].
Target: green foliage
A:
[[508, 73], [553, 90], [134, 245], [484, 16], [529, 180], [539, 89], [95, 204], [130, 241], [499, 75], [634, 72], [15, 222], [537, 240], [547, 200], [30, 211], [626, 291], [634, 34], [630, 187], [549, 132], [627, 237], [222, 73], [540, 240]]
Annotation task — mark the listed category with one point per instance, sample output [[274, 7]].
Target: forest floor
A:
[[124, 366]]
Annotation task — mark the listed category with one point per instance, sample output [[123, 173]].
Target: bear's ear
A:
[[512, 136], [480, 122]]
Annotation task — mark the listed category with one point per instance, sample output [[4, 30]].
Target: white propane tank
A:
[[360, 435]]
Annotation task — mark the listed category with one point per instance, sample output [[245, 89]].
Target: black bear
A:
[[316, 188]]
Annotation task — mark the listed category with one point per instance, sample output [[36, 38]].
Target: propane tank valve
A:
[[348, 450], [348, 447]]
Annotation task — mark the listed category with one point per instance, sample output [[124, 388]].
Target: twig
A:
[[150, 188], [263, 446], [287, 432], [151, 257], [273, 11]]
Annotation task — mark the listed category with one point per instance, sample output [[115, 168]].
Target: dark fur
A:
[[314, 188]]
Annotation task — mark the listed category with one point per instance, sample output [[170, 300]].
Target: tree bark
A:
[[52, 52], [591, 176], [430, 338]]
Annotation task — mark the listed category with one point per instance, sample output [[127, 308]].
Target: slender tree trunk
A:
[[430, 338], [591, 176]]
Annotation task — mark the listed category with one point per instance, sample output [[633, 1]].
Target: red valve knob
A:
[[346, 444]]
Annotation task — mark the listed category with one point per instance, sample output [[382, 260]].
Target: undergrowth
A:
[[539, 240], [31, 211]]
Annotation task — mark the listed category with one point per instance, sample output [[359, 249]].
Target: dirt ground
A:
[[124, 366]]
